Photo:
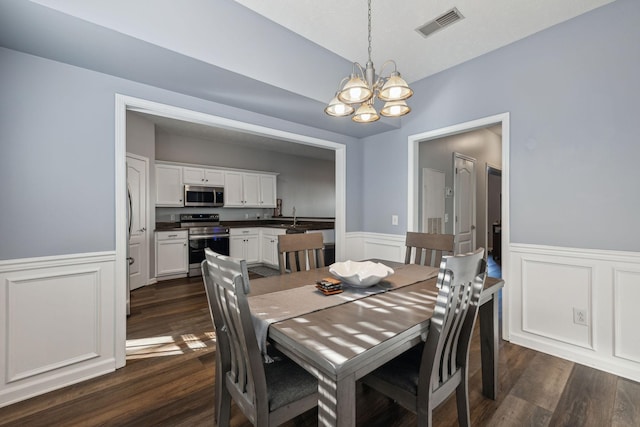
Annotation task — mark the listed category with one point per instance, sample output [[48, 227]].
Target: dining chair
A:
[[296, 252], [423, 377], [268, 394], [427, 248]]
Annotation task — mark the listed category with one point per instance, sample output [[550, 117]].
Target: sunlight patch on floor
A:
[[162, 346]]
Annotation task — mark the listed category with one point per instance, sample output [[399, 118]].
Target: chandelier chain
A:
[[369, 17]]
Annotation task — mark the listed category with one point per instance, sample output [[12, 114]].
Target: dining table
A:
[[340, 338]]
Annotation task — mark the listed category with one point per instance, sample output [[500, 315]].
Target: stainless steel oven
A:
[[205, 231]]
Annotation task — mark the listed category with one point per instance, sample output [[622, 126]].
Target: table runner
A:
[[282, 305]]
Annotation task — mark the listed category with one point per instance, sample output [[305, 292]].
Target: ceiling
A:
[[279, 59], [341, 27]]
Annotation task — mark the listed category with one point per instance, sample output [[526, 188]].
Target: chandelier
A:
[[362, 88]]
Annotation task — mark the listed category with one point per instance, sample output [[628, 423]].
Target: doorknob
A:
[[473, 227], [143, 229], [131, 260]]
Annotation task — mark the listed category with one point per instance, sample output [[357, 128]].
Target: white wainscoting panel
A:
[[550, 292], [375, 245], [545, 285], [56, 322], [627, 313]]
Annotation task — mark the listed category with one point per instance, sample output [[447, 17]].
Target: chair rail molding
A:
[[56, 322]]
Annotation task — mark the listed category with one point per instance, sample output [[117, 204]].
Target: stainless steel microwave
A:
[[197, 195]]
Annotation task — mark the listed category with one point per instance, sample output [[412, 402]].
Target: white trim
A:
[[590, 254], [588, 276], [55, 261], [413, 187], [124, 103]]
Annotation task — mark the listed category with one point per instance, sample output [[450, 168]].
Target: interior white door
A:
[[137, 171], [464, 204], [432, 220]]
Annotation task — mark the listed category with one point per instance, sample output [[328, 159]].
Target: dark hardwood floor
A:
[[168, 381]]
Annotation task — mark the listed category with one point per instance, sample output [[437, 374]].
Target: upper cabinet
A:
[[244, 189], [250, 190], [169, 185], [267, 191], [202, 176]]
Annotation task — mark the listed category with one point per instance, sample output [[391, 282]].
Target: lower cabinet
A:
[[172, 254], [269, 243], [244, 243]]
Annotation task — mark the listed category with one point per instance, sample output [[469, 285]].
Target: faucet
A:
[[294, 216]]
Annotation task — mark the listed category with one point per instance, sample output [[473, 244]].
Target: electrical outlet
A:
[[394, 219], [580, 316], [173, 217]]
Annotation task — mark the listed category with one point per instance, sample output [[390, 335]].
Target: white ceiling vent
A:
[[440, 22]]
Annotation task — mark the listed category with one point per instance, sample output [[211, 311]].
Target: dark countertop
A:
[[303, 223]]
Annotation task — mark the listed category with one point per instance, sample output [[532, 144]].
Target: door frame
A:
[[413, 186], [489, 168], [124, 103]]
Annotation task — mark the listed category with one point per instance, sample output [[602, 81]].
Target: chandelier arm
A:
[[359, 67], [390, 61], [342, 82]]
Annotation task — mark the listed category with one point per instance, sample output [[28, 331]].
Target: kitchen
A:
[[303, 179]]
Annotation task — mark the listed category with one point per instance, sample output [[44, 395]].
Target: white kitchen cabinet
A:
[[172, 254], [203, 176], [244, 243], [250, 190], [268, 191], [269, 244], [233, 189], [169, 185]]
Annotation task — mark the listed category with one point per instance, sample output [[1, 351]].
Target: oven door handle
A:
[[206, 236]]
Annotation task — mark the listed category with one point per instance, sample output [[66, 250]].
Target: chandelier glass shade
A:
[[358, 92]]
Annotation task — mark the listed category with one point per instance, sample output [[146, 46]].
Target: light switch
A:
[[394, 219]]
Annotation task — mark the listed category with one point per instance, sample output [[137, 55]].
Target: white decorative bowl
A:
[[360, 274]]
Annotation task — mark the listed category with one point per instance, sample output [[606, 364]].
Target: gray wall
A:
[[57, 133], [303, 182], [484, 146], [572, 94]]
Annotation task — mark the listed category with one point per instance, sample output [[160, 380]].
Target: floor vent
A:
[[440, 22]]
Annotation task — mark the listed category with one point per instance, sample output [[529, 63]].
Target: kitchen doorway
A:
[[122, 105]]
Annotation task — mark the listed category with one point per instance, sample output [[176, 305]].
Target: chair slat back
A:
[[303, 251], [427, 248], [461, 279], [227, 284]]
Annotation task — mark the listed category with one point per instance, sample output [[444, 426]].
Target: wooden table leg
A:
[[336, 403], [488, 314]]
